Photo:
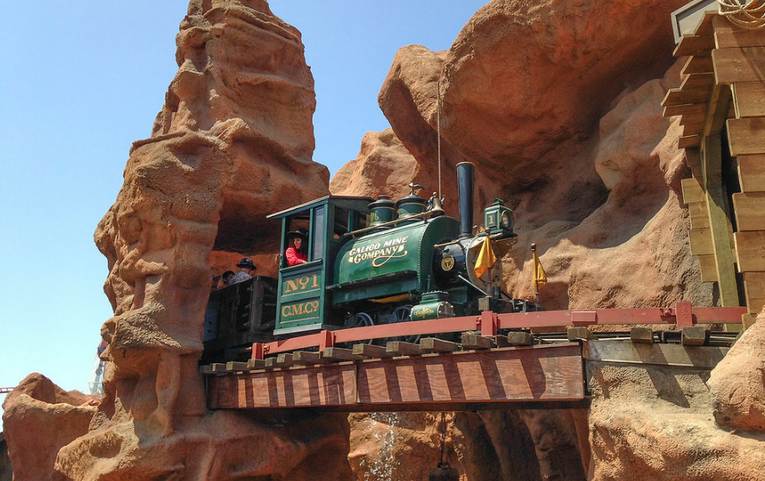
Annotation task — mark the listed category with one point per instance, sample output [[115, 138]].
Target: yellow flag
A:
[[540, 277], [486, 258]]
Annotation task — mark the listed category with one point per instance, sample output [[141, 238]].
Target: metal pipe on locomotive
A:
[[368, 262]]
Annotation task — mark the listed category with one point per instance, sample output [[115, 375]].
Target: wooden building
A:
[[721, 102]]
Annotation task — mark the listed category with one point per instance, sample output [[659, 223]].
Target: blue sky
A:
[[80, 81]]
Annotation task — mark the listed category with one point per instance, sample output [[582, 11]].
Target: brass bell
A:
[[436, 206], [444, 472]]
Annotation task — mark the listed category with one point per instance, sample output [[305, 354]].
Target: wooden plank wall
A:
[[538, 374], [735, 59]]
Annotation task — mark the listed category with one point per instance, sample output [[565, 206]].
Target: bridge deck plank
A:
[[539, 374]]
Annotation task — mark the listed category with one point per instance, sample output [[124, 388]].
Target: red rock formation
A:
[[738, 383], [656, 423], [39, 419], [563, 119], [232, 143], [382, 167]]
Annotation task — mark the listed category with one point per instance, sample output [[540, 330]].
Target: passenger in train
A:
[[246, 271], [295, 253], [225, 279]]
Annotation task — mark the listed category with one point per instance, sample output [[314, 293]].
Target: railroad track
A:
[[469, 341]]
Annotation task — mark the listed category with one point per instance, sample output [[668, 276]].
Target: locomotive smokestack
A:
[[465, 187]]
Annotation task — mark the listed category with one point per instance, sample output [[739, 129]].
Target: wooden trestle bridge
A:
[[532, 360]]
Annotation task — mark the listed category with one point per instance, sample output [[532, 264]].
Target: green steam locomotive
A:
[[366, 262]]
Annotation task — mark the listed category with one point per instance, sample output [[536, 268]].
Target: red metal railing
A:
[[488, 323]]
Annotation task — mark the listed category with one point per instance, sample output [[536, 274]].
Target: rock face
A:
[[383, 167], [6, 471], [657, 424], [563, 121], [232, 143], [39, 419], [562, 118], [738, 383], [516, 445]]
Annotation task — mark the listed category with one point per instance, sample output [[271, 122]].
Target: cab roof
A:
[[321, 200]]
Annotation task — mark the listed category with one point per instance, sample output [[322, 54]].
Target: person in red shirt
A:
[[295, 253]]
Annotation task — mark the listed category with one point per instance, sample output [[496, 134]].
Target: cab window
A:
[[300, 221], [316, 240], [341, 222]]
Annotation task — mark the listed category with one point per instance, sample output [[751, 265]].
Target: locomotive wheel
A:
[[404, 314], [359, 319]]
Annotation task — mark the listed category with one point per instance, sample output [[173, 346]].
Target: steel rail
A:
[[488, 323]]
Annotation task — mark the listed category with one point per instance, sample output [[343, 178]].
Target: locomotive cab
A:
[[302, 303]]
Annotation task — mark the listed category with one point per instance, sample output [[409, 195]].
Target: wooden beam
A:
[[698, 65], [692, 191], [473, 340], [739, 65], [520, 338], [654, 354], [750, 211], [717, 207], [432, 344], [754, 288], [687, 109], [696, 88], [401, 348], [253, 364], [701, 242], [693, 121], [689, 141], [749, 99], [750, 251], [642, 335], [697, 211], [578, 333], [539, 374], [718, 210], [694, 336], [339, 354], [751, 173], [746, 136], [697, 45], [708, 267], [236, 366], [729, 38], [306, 358], [370, 351], [693, 161]]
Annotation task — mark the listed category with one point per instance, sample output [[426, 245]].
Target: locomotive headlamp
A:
[[498, 218]]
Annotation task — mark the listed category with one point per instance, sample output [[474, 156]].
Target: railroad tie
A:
[[641, 335], [433, 344], [254, 364], [339, 354], [401, 348], [694, 336], [473, 340], [235, 366], [306, 358], [284, 359], [370, 351]]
